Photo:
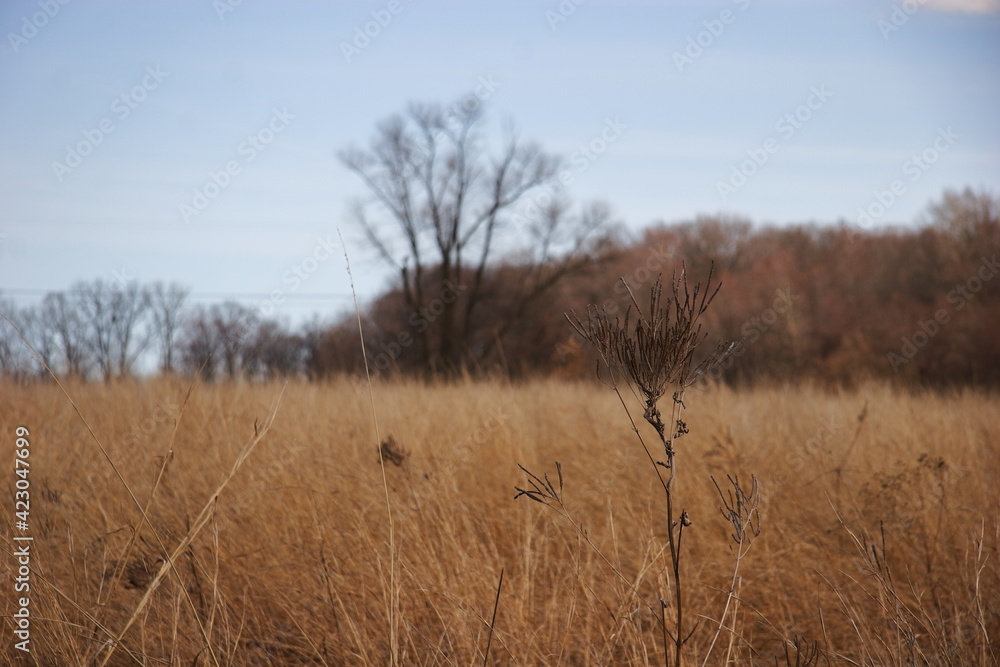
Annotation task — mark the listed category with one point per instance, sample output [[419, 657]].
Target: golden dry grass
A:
[[293, 564]]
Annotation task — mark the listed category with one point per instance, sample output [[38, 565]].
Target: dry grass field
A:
[[878, 544]]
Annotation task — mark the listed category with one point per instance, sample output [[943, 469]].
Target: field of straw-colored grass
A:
[[298, 559]]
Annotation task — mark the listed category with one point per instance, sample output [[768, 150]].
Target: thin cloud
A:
[[964, 6]]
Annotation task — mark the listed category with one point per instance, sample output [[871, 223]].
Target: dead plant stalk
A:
[[655, 352]]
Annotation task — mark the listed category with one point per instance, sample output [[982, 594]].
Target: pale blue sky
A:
[[884, 98]]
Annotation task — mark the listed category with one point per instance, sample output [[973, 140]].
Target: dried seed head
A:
[[655, 349]]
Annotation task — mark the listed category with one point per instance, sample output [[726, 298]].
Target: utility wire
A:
[[318, 296]]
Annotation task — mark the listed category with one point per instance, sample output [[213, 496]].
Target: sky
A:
[[196, 141]]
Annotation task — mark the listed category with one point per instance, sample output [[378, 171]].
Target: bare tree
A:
[[440, 209], [93, 301], [971, 220], [232, 323], [35, 329], [10, 342], [61, 319], [113, 315], [968, 215], [272, 351], [199, 345], [129, 330], [167, 305], [221, 338], [16, 361], [312, 332]]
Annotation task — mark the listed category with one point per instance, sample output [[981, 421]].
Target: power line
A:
[[317, 296], [140, 224]]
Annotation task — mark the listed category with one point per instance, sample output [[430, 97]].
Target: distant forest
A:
[[837, 305]]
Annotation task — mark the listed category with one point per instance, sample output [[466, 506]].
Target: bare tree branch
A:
[[432, 183]]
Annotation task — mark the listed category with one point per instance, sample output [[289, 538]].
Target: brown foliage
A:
[[917, 306]]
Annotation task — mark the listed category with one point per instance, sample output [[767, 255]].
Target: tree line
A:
[[835, 304], [101, 329]]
